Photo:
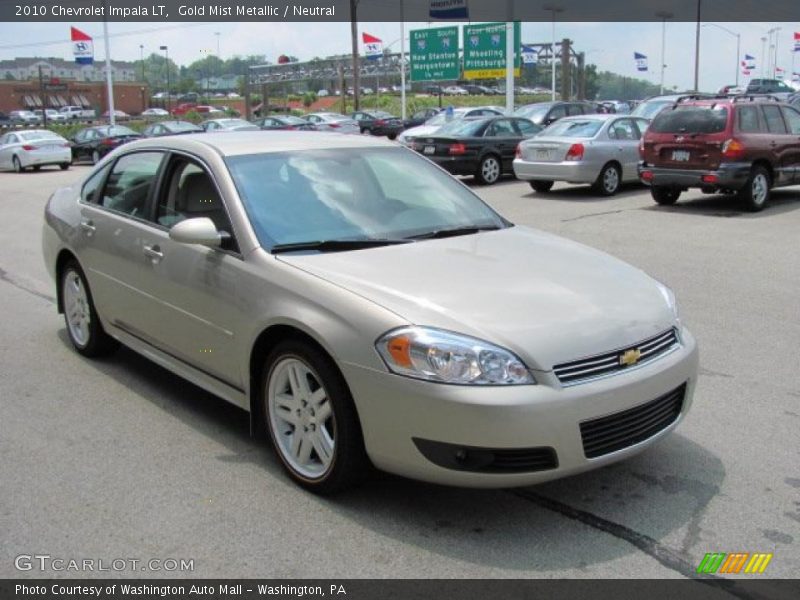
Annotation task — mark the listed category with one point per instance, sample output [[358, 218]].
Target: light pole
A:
[[166, 56], [663, 15], [772, 60], [216, 33], [697, 50], [553, 9], [763, 55], [738, 43], [141, 58], [402, 41]]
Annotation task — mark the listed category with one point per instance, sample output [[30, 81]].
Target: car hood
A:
[[546, 298]]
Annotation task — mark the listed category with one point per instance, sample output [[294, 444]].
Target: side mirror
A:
[[199, 230]]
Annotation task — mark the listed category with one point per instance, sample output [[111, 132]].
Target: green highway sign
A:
[[485, 51], [434, 54]]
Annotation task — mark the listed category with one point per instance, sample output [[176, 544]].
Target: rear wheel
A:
[[311, 418], [608, 181], [18, 168], [755, 194], [83, 326], [64, 166], [541, 186], [489, 170], [665, 195]]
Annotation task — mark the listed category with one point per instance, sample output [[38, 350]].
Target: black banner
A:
[[395, 10], [402, 589]]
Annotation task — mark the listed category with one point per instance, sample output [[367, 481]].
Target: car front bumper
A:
[[395, 411], [729, 176], [569, 171]]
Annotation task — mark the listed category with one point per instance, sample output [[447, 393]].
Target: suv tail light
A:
[[732, 148], [641, 147], [575, 152], [458, 149]]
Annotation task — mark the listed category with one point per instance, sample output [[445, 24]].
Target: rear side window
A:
[[772, 116], [748, 119], [691, 119]]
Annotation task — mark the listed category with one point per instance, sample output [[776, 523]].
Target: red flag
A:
[[371, 39], [797, 36], [79, 36]]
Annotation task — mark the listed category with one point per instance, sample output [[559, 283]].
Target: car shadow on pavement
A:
[[721, 205], [584, 193], [661, 493]]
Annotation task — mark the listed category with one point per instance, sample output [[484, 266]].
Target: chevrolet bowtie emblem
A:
[[630, 357]]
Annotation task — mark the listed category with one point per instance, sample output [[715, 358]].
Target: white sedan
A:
[[52, 115], [35, 148], [155, 112]]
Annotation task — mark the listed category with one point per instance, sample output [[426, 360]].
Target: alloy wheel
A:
[[76, 308], [490, 169], [301, 418], [760, 188]]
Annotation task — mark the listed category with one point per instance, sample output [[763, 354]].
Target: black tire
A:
[[98, 342], [608, 181], [392, 136], [349, 464], [37, 167], [754, 196], [18, 168], [64, 166], [95, 157], [541, 186], [665, 195], [489, 169]]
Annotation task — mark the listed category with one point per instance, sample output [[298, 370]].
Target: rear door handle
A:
[[153, 252], [88, 226]]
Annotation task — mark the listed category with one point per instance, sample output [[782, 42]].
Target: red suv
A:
[[744, 145]]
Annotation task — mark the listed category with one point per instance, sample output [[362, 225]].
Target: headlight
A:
[[669, 297], [436, 355]]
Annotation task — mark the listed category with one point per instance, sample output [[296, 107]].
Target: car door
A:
[[503, 136], [780, 143], [196, 313], [116, 238], [792, 117], [625, 135]]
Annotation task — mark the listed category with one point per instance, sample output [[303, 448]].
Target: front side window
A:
[[792, 119], [347, 194], [128, 185]]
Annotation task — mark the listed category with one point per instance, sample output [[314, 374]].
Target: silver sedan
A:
[[366, 308], [333, 122], [34, 148], [601, 149]]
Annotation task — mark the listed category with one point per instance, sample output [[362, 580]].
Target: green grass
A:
[[391, 103]]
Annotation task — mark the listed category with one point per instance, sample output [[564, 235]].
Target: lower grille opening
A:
[[487, 460], [620, 430]]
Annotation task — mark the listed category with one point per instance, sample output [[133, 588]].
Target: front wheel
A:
[[755, 194], [311, 419], [489, 170], [83, 326], [665, 195], [95, 157], [541, 186]]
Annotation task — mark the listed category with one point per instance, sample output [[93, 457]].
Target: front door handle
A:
[[153, 252], [88, 226]]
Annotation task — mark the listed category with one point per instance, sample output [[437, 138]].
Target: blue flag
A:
[[641, 61]]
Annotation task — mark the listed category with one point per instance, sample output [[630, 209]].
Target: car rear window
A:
[[576, 128], [691, 119]]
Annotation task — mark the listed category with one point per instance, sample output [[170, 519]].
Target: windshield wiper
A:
[[335, 245], [455, 231]]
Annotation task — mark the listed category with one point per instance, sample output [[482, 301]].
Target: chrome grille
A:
[[620, 430], [609, 363]]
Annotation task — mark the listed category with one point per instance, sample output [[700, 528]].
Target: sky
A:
[[608, 45]]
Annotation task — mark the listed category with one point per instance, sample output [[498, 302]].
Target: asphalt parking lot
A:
[[118, 458]]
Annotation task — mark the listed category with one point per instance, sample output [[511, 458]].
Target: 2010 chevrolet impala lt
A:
[[367, 308]]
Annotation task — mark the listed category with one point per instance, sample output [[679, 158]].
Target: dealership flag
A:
[[449, 9], [797, 41], [373, 47], [82, 47], [529, 55], [641, 61], [749, 62]]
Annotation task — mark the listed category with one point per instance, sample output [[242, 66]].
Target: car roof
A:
[[236, 143]]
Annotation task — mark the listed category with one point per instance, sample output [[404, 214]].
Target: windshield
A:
[[117, 130], [39, 135], [578, 128], [691, 119], [348, 194], [533, 111], [462, 127], [650, 109]]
